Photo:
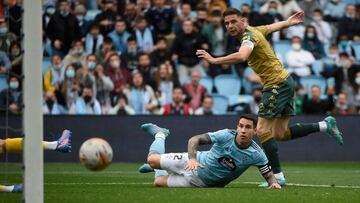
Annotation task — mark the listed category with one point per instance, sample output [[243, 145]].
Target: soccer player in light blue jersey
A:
[[232, 153]]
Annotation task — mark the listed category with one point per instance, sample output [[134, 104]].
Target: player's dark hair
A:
[[251, 117], [231, 11]]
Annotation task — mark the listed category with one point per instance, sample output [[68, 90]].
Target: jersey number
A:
[[178, 157]]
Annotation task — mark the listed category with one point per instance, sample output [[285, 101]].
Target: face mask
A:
[[64, 13], [272, 11], [87, 99], [50, 11], [345, 64], [357, 81], [317, 18], [257, 99], [78, 51], [3, 30], [80, 18], [115, 64], [131, 50], [49, 102], [58, 67], [310, 35], [15, 53], [296, 46], [91, 65], [14, 85], [352, 16], [70, 73], [343, 44]]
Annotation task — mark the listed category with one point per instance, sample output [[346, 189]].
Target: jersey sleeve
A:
[[220, 136], [262, 163], [249, 39], [263, 29]]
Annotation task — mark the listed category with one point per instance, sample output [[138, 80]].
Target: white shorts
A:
[[174, 164]]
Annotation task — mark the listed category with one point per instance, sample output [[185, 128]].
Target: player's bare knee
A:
[[160, 181], [154, 161]]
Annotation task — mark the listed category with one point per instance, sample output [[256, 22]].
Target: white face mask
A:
[[115, 64], [296, 46], [317, 18], [357, 80]]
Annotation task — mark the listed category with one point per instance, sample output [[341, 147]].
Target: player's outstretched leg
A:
[[11, 188], [63, 144]]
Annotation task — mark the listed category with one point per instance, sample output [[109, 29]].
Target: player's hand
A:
[[192, 164], [274, 186], [205, 55], [296, 18]]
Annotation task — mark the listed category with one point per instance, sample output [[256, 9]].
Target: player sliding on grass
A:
[[15, 145], [277, 103], [232, 153]]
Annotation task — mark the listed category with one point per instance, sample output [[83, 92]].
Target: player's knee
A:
[[280, 134], [154, 161], [160, 181]]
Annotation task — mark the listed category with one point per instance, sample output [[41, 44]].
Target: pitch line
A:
[[312, 185]]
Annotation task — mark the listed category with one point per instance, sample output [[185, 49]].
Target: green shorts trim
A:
[[278, 100]]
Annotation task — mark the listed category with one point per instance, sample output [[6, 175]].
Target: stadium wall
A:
[[130, 144]]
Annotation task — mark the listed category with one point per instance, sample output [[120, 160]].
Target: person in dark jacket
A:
[[316, 105]]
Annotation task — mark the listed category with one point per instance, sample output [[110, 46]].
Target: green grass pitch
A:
[[309, 182]]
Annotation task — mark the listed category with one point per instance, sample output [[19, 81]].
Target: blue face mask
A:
[[50, 10], [310, 35], [3, 30], [70, 73], [14, 85], [91, 65], [64, 13], [343, 43], [272, 11], [357, 81]]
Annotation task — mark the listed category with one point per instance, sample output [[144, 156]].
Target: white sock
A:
[[160, 135], [7, 188], [279, 175], [322, 126], [50, 145]]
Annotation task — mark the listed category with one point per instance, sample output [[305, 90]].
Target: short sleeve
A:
[[249, 39], [220, 136], [261, 159], [263, 29]]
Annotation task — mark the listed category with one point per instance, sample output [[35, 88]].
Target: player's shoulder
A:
[[224, 133]]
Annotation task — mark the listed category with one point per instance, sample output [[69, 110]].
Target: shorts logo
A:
[[227, 162]]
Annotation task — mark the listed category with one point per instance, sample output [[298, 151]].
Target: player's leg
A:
[[15, 145], [11, 188]]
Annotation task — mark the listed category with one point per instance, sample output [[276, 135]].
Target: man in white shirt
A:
[[299, 60], [322, 27]]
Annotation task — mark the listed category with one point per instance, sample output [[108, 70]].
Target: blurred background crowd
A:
[[137, 57]]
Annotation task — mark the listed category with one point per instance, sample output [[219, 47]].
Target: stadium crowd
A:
[[136, 57]]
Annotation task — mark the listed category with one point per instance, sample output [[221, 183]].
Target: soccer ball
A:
[[95, 154]]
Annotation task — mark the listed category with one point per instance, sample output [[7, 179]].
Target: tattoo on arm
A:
[[266, 172], [195, 141]]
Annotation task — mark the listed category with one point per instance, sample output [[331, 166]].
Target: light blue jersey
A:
[[226, 161]]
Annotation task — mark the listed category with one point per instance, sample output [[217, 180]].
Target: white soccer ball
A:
[[95, 154]]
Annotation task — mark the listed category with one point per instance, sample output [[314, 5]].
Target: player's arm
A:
[[238, 57], [268, 175], [193, 145], [292, 20]]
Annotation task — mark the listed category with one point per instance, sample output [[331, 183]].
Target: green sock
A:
[[271, 151], [303, 129]]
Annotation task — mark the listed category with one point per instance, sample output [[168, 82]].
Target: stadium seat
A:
[[220, 103], [357, 51], [91, 14], [240, 99], [309, 81], [237, 3], [208, 83], [3, 82], [45, 65], [281, 48], [317, 67], [227, 85]]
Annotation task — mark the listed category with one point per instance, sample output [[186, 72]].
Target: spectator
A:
[[271, 15], [120, 36], [161, 54], [51, 106], [106, 19], [250, 80], [72, 88], [295, 31], [206, 107], [55, 75], [146, 69], [16, 58], [184, 49], [161, 17], [131, 55], [323, 29], [184, 13], [349, 24], [80, 12], [312, 43], [93, 39], [309, 6], [177, 106], [141, 96], [194, 90], [15, 17], [144, 35], [343, 106], [254, 104], [300, 92], [345, 74], [49, 12], [4, 36], [356, 92], [76, 55], [345, 45], [316, 105], [165, 81], [82, 77], [253, 17], [201, 19], [299, 60], [11, 98], [105, 51], [130, 15], [86, 103], [119, 75], [122, 107], [102, 86], [334, 10], [286, 8], [63, 29]]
